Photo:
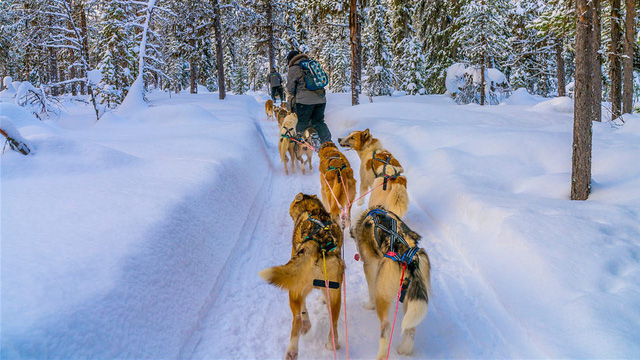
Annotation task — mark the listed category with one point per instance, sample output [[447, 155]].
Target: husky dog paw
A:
[[405, 349], [292, 354], [329, 344], [369, 306]]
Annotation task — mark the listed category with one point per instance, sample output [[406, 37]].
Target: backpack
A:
[[274, 79], [314, 76]]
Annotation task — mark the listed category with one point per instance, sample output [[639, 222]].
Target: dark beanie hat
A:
[[292, 54]]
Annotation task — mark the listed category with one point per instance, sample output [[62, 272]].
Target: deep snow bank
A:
[[113, 237]]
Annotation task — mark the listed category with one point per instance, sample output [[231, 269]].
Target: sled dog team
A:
[[395, 268]]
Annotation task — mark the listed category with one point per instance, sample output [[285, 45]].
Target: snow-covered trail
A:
[[250, 319], [255, 316]]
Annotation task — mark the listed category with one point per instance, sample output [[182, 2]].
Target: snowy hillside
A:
[[140, 236]]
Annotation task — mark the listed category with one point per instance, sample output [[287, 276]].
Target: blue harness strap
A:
[[407, 257], [395, 237]]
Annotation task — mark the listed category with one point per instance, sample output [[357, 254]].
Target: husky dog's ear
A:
[[366, 135], [299, 196]]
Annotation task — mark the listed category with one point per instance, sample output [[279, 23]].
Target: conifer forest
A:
[[373, 47]]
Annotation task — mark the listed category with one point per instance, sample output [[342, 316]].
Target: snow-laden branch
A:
[[135, 96]]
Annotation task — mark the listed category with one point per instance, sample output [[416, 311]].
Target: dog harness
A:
[[384, 170], [389, 225], [289, 134], [319, 225], [337, 169], [326, 247]]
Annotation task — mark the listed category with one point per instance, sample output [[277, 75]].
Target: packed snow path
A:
[[250, 319], [178, 206]]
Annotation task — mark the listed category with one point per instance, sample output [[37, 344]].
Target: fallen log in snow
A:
[[13, 137]]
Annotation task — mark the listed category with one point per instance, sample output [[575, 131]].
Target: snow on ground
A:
[[141, 236]]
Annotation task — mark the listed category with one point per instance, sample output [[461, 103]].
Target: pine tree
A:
[[13, 52], [556, 23], [341, 72], [484, 36], [400, 21], [271, 29], [295, 35], [408, 60], [587, 103], [533, 62], [116, 55], [379, 75], [435, 25], [408, 66]]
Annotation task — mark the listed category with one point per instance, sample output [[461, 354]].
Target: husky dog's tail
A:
[[284, 148], [291, 275], [417, 298], [398, 200], [280, 276]]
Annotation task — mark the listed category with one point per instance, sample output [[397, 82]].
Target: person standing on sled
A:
[[275, 81], [307, 104]]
